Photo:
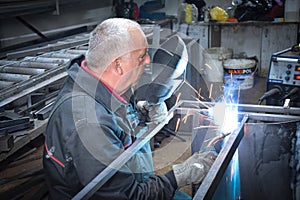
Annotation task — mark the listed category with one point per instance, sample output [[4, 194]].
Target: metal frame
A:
[[213, 177]]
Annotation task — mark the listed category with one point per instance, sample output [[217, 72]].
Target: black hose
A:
[[273, 91]]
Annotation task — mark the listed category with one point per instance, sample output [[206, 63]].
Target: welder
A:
[[94, 121]]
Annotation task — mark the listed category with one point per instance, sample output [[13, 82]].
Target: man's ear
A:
[[118, 67]]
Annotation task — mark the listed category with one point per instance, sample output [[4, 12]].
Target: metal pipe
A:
[[4, 84], [63, 54], [46, 60], [28, 64], [82, 48], [13, 77], [215, 174], [242, 107], [111, 169], [21, 70], [76, 51]]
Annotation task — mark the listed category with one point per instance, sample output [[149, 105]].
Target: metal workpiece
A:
[[113, 167], [194, 108], [254, 112], [217, 170]]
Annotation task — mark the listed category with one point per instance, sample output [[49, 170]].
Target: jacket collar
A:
[[93, 87]]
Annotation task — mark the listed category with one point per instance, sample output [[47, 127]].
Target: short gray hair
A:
[[109, 40]]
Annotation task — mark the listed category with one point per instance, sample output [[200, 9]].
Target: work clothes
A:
[[89, 128]]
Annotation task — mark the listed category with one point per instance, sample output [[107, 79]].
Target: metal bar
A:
[[13, 77], [111, 169], [32, 85], [21, 70], [215, 174], [31, 27], [243, 107], [28, 64], [47, 60]]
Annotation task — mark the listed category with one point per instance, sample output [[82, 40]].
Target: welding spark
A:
[[210, 126], [177, 124], [210, 90], [207, 65], [200, 96], [177, 99]]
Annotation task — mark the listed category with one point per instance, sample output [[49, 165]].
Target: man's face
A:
[[132, 63], [133, 67]]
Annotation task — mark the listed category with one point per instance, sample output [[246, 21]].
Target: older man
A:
[[93, 122]]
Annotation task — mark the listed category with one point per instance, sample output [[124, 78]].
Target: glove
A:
[[155, 113], [194, 169]]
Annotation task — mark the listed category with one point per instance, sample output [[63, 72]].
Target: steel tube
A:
[[64, 54], [215, 174], [243, 107], [21, 70], [28, 64], [4, 84], [46, 60], [76, 51], [13, 77], [110, 170]]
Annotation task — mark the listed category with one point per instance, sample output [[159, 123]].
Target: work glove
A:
[[154, 113], [194, 169]]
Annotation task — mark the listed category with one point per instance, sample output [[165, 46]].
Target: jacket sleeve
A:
[[93, 147]]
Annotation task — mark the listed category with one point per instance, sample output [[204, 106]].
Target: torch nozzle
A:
[[217, 138]]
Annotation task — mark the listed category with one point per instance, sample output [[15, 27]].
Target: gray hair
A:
[[109, 40]]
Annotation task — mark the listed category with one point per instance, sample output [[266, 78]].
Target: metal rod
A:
[[111, 169], [215, 174], [31, 27], [242, 107], [21, 70], [47, 60], [37, 65], [28, 86], [13, 77]]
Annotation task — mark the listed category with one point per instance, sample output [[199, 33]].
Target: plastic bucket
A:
[[239, 73], [213, 62]]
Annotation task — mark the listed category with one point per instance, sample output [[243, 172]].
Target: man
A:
[[93, 122]]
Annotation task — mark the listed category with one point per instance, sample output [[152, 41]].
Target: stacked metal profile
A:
[[29, 82]]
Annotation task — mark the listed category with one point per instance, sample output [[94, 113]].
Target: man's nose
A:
[[147, 59]]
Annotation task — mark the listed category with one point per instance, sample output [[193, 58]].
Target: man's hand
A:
[[155, 113], [194, 169]]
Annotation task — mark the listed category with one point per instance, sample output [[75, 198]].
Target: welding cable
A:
[[273, 91], [291, 92]]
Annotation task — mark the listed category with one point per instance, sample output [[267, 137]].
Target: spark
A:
[[200, 96], [177, 124], [209, 126], [207, 106], [207, 65], [210, 90], [177, 99]]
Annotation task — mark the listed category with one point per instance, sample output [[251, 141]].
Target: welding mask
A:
[[168, 70]]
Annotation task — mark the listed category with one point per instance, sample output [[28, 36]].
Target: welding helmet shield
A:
[[168, 70]]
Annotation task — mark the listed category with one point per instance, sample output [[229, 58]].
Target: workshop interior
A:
[[228, 71]]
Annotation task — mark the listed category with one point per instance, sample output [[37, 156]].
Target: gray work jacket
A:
[[88, 129]]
